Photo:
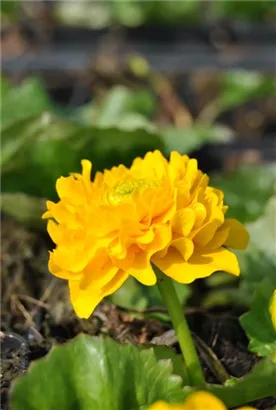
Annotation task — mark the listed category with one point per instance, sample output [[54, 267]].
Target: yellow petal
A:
[[86, 168], [48, 213], [61, 273], [246, 408], [200, 214], [198, 266], [100, 271], [191, 172], [185, 246], [66, 187], [54, 231], [196, 401], [219, 238], [146, 238], [272, 309], [85, 300], [205, 233], [161, 405], [203, 401], [183, 221], [141, 269], [238, 236]]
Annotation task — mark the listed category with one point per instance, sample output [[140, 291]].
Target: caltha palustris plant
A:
[[158, 221]]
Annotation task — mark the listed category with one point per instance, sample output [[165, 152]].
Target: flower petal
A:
[[272, 309], [85, 300], [183, 221], [62, 273], [198, 266], [238, 236], [141, 269], [205, 233], [219, 238], [203, 401], [185, 246]]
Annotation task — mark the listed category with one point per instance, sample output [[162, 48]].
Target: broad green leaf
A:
[[257, 384], [121, 107], [163, 352], [95, 373], [189, 139], [237, 87], [257, 322], [115, 103], [247, 190], [38, 150], [24, 100]]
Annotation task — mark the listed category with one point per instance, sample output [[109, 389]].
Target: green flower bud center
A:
[[122, 191]]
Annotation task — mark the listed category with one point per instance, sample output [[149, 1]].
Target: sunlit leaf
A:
[[94, 373]]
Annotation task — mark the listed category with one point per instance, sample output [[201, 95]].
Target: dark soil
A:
[[36, 314]]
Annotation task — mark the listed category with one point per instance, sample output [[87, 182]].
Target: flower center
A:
[[122, 191]]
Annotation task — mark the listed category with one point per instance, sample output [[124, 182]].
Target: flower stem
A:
[[169, 295]]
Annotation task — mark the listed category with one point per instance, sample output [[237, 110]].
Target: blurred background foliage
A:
[[138, 12]]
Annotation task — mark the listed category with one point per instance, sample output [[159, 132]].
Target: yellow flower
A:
[[157, 211], [196, 401], [272, 309]]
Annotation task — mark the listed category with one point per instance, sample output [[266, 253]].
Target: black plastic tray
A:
[[222, 46]]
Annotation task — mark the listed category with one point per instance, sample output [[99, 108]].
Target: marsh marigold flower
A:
[[157, 211], [196, 401], [272, 309]]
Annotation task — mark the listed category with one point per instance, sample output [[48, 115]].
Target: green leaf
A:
[[257, 384], [189, 139], [121, 103], [29, 98], [240, 86], [247, 190], [38, 150], [257, 322], [166, 353], [94, 373]]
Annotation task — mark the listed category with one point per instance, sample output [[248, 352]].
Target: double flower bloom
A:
[[155, 212]]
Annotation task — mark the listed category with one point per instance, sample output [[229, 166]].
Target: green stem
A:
[[180, 324]]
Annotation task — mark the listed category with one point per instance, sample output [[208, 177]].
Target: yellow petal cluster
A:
[[157, 211], [197, 401], [272, 309]]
